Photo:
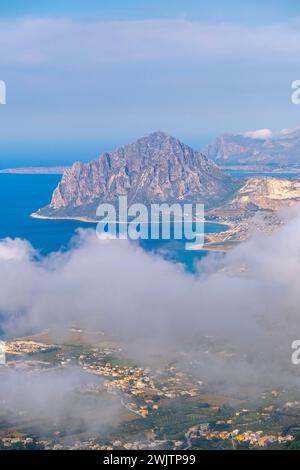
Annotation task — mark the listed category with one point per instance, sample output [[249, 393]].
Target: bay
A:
[[22, 194]]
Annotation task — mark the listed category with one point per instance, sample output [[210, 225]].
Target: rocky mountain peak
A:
[[154, 169]]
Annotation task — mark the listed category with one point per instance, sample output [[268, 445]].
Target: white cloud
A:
[[15, 249], [260, 134], [287, 132]]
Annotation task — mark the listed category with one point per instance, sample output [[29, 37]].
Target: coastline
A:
[[36, 215], [55, 170], [213, 246]]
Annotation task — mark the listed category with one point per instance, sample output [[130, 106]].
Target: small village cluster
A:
[[20, 347], [141, 383], [253, 438], [21, 442], [145, 392]]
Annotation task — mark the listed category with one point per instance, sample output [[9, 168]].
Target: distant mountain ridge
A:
[[36, 170], [242, 149], [154, 169]]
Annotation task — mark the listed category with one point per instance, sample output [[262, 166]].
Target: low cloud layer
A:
[[52, 400], [247, 301]]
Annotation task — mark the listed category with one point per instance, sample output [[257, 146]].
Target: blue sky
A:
[[254, 11], [84, 76]]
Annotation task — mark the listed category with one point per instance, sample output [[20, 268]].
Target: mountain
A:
[[154, 169], [243, 149]]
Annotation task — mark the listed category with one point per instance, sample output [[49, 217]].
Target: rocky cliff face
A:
[[155, 169], [260, 193], [254, 208], [230, 149]]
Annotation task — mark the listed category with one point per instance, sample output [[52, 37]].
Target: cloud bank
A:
[[234, 321], [247, 300]]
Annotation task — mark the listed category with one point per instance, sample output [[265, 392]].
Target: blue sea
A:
[[22, 194]]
